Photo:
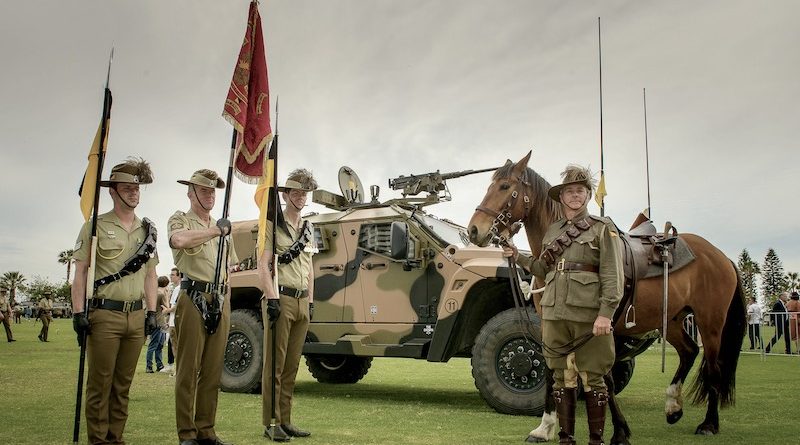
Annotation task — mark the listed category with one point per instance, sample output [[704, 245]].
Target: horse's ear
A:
[[509, 162], [522, 164]]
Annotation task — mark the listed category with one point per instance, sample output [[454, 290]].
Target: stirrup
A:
[[628, 322]]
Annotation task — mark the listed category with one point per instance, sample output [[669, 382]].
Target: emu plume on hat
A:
[[132, 171], [573, 174], [204, 178], [299, 179]]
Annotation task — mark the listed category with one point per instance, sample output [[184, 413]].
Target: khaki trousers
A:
[[46, 318], [290, 335], [7, 325], [198, 367], [112, 350], [590, 362]]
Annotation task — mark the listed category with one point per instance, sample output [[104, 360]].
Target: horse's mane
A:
[[544, 210]]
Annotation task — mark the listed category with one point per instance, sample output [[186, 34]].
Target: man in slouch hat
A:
[[202, 313], [581, 264], [291, 309], [114, 324], [6, 311]]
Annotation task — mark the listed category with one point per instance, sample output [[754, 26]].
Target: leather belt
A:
[[116, 305], [291, 292], [202, 286], [569, 265]]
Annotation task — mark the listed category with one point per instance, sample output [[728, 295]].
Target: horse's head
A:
[[506, 203]]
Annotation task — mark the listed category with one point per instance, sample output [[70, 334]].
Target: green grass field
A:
[[399, 401]]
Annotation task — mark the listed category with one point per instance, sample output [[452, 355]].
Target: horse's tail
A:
[[723, 377]]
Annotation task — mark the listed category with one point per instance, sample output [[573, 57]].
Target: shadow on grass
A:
[[461, 400]]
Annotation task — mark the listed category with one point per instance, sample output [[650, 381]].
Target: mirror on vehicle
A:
[[399, 241]]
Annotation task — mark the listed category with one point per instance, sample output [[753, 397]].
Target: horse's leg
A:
[[687, 350], [547, 427], [710, 425], [621, 429], [709, 377]]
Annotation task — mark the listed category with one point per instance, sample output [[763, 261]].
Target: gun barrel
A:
[[466, 173]]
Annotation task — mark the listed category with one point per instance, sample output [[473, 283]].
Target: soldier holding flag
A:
[[202, 314], [114, 320]]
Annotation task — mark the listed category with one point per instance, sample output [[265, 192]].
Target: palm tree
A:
[[65, 257], [794, 280], [13, 280]]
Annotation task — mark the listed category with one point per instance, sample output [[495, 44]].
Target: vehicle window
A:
[[448, 232], [378, 238]]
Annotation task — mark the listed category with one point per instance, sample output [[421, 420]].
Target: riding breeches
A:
[[590, 362]]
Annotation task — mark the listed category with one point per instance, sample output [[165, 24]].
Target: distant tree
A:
[[773, 280], [749, 269], [65, 257], [38, 285], [793, 280], [13, 281]]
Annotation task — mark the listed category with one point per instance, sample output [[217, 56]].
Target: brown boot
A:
[[566, 399], [596, 402]]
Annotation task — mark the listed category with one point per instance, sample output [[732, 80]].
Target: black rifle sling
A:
[[297, 247], [138, 259]]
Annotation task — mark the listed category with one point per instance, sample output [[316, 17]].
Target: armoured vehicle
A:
[[392, 280]]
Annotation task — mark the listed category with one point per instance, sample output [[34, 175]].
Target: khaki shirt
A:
[[45, 304], [4, 307], [114, 246], [579, 295], [294, 274], [198, 263]]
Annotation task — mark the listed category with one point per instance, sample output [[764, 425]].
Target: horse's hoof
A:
[[532, 439], [674, 417], [706, 430]]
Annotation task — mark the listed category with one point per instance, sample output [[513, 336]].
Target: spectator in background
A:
[[780, 320], [793, 307], [754, 323], [156, 343], [175, 279]]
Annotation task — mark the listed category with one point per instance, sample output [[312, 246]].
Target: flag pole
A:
[[225, 206], [106, 114], [276, 210], [602, 165], [647, 155]]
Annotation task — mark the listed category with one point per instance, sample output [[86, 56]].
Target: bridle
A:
[[503, 217]]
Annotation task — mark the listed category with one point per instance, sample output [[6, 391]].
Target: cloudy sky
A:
[[399, 87]]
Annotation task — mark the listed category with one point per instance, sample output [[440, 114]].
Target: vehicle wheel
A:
[[622, 372], [507, 366], [338, 368], [243, 353]]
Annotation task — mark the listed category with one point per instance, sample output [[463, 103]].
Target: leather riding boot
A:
[[596, 402], [566, 399]]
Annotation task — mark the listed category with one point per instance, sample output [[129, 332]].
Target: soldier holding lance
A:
[[293, 307], [116, 324], [202, 313], [581, 264]]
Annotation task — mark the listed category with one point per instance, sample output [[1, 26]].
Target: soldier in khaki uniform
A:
[[116, 324], [292, 309], [202, 323], [581, 264], [45, 308], [6, 313]]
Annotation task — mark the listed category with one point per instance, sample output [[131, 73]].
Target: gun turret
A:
[[433, 183]]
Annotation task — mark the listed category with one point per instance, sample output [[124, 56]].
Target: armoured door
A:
[[334, 276]]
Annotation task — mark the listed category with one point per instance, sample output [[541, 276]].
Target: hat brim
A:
[[220, 183], [108, 183], [555, 191], [287, 189]]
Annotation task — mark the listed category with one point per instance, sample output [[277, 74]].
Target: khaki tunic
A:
[[200, 356], [114, 346], [5, 308], [114, 246], [573, 299], [290, 327]]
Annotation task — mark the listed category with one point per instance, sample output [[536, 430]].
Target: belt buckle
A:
[[126, 306], [298, 293], [560, 265]]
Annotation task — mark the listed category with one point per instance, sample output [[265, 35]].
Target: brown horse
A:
[[709, 287]]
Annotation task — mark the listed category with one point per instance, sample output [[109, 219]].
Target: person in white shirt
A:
[[754, 323], [175, 279]]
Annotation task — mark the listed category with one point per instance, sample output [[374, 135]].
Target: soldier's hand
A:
[[602, 326], [80, 323], [273, 308], [510, 251], [150, 323], [311, 310], [224, 226]]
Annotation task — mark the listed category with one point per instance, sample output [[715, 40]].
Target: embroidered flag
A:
[[247, 104]]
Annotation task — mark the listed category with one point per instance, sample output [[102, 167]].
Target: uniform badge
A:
[[176, 225]]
